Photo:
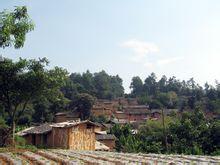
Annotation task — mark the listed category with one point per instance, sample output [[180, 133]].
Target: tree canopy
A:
[[173, 93], [24, 81], [100, 84], [14, 25]]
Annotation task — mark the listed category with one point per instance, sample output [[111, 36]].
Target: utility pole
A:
[[164, 129]]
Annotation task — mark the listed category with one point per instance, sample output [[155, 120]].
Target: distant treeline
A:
[[100, 85], [165, 92], [68, 92], [173, 93]]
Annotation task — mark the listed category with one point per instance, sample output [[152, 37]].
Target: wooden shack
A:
[[76, 135], [107, 139], [38, 136]]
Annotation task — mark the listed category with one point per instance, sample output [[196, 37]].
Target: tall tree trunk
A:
[[13, 132]]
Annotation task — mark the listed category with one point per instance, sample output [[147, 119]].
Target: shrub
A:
[[20, 141]]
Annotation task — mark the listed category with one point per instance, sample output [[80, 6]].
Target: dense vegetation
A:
[[173, 93], [101, 85], [189, 133]]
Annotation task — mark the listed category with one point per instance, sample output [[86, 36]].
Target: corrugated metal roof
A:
[[44, 128], [72, 123], [105, 137]]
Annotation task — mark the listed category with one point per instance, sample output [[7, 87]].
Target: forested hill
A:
[[157, 93], [173, 93]]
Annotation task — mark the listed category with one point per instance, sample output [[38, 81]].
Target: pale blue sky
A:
[[127, 37]]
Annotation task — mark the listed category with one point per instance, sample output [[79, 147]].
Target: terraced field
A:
[[70, 157]]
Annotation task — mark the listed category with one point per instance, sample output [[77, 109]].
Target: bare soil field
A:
[[70, 157]]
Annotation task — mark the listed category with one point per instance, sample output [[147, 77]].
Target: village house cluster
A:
[[68, 132], [127, 110]]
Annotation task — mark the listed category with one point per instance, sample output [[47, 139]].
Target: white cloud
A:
[[168, 60], [140, 48], [141, 53], [148, 64]]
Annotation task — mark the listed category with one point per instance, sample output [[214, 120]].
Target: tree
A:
[[45, 108], [24, 81], [83, 104], [14, 26], [116, 86], [125, 140], [150, 85], [187, 133], [100, 85], [136, 86], [162, 84], [168, 100], [151, 136]]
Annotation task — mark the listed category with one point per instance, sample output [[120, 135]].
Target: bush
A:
[[216, 153], [27, 147], [20, 141]]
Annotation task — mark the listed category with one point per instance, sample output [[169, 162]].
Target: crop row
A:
[[70, 157]]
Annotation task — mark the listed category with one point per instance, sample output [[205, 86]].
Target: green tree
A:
[[186, 134], [83, 104], [100, 85], [150, 85], [24, 81], [116, 86], [125, 141], [136, 86], [14, 26]]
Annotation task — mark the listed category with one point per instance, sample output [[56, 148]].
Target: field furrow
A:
[[38, 159], [71, 157]]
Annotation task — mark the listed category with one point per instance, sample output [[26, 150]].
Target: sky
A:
[[178, 38]]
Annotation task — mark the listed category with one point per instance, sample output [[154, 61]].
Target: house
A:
[[136, 113], [107, 139], [66, 116], [120, 115], [76, 135], [100, 127], [38, 136], [101, 111], [101, 147]]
